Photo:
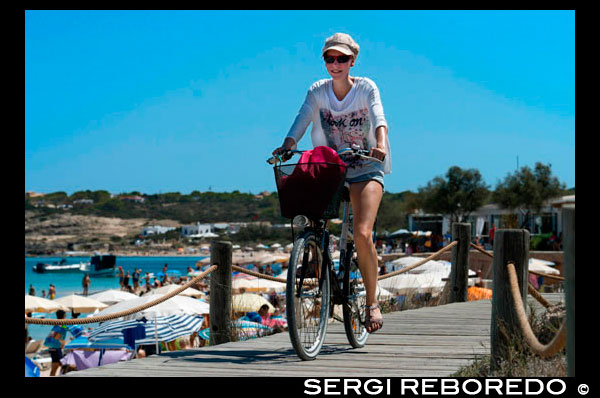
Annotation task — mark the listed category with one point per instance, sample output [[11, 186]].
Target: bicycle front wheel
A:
[[307, 297], [355, 308]]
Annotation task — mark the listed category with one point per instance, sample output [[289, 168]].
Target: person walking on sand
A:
[[86, 284], [346, 111], [31, 290]]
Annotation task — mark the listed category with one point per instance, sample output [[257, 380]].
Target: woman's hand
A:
[[378, 153], [288, 144]]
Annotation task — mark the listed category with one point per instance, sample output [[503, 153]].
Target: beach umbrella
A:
[[204, 334], [254, 284], [400, 232], [542, 266], [191, 292], [172, 273], [276, 245], [164, 328], [430, 266], [272, 258], [174, 305], [113, 343], [112, 296], [248, 302], [404, 284], [38, 304], [80, 303], [250, 330]]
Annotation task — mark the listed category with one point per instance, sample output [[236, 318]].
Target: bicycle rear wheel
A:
[[354, 311], [307, 305]]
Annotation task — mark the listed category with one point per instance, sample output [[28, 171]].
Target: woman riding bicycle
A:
[[346, 112]]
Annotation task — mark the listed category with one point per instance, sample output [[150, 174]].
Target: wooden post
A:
[[510, 245], [459, 271], [220, 293], [568, 222]]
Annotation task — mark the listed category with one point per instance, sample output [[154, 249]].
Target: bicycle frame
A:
[[346, 247]]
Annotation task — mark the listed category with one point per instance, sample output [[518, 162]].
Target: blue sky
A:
[[163, 101]]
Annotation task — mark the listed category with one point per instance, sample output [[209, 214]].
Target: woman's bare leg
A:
[[366, 197]]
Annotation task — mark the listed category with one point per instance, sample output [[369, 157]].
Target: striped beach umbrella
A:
[[107, 344], [166, 328]]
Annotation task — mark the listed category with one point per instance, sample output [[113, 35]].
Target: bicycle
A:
[[313, 284]]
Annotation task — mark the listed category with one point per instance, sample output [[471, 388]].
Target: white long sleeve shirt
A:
[[341, 124]]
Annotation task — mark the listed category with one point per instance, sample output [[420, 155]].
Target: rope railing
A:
[[544, 351], [103, 318], [258, 274], [474, 246]]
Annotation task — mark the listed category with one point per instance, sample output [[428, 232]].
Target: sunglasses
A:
[[341, 59]]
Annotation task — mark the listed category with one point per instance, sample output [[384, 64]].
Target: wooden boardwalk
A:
[[427, 342]]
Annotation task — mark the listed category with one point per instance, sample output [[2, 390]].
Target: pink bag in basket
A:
[[309, 189]]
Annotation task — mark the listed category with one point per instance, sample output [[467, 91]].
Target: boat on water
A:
[[57, 266], [100, 265]]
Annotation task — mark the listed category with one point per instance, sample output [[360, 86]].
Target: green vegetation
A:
[[458, 193], [521, 361]]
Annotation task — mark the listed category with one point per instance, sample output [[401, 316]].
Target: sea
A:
[[70, 282]]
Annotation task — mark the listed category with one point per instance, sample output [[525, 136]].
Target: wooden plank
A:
[[433, 341]]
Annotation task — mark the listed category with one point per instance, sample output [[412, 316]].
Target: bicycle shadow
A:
[[250, 356]]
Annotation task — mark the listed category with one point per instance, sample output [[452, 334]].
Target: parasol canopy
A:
[[248, 302], [191, 292], [112, 296], [167, 328], [174, 305], [80, 303], [38, 304]]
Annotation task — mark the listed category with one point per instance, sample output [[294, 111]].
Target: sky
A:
[[178, 101]]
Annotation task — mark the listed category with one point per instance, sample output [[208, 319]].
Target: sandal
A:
[[369, 321]]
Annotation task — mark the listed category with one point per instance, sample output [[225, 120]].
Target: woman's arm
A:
[[380, 151], [301, 122]]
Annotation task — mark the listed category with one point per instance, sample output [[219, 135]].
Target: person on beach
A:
[[55, 341], [31, 290], [345, 111], [136, 279], [51, 292], [86, 284], [121, 276], [147, 278]]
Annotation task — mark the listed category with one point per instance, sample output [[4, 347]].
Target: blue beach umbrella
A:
[[100, 344], [167, 328], [171, 273], [204, 334]]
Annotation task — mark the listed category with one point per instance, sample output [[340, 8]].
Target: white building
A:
[[156, 230], [549, 219], [195, 231]]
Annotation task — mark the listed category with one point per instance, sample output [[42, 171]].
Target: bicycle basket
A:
[[310, 189]]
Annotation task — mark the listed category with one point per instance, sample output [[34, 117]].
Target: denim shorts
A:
[[375, 176]]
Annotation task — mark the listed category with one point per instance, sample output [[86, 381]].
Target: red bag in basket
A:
[[316, 178]]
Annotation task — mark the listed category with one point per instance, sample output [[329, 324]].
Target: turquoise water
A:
[[70, 283]]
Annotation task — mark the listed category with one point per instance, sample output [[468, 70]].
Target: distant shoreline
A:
[[120, 254]]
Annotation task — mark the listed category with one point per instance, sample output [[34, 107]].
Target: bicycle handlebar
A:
[[357, 152]]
